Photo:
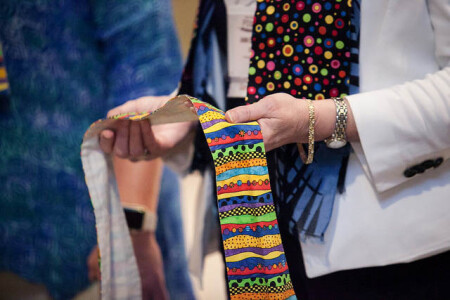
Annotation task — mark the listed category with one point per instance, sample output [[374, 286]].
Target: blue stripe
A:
[[232, 131], [252, 262], [201, 112], [258, 233], [257, 275], [238, 143], [264, 198], [257, 170]]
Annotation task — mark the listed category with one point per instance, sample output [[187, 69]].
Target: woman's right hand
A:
[[137, 140]]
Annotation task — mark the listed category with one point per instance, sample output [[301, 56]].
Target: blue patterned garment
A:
[[68, 62]]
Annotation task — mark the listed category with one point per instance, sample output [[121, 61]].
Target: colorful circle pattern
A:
[[301, 48]]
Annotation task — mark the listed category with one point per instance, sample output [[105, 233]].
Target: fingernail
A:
[[107, 134], [231, 116]]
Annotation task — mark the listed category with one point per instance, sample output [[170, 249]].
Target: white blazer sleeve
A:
[[402, 127]]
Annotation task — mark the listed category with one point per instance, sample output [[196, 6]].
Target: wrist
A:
[[351, 130], [142, 240], [140, 219], [325, 119], [302, 121], [143, 236]]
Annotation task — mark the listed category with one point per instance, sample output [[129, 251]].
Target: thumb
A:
[[247, 113]]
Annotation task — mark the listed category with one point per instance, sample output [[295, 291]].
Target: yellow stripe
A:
[[243, 178], [222, 125], [217, 127], [4, 86], [267, 296], [241, 164], [243, 241], [242, 193], [140, 117], [2, 73], [209, 116], [244, 255]]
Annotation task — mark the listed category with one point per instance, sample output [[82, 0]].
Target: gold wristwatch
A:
[[339, 139]]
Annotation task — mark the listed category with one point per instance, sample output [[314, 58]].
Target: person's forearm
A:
[[138, 182]]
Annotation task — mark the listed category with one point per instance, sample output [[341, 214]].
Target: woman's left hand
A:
[[283, 119]]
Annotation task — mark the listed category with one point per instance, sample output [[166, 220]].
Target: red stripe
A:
[[228, 140], [252, 225], [244, 187], [256, 271]]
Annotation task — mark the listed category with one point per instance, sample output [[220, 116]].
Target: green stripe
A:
[[248, 219], [259, 281], [232, 151]]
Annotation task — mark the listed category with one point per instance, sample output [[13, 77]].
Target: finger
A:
[[143, 104], [136, 145], [91, 257], [165, 293], [160, 294], [146, 104], [159, 291], [92, 263], [127, 107], [91, 275], [121, 145], [150, 142], [91, 271], [247, 113], [107, 141], [98, 272], [94, 273]]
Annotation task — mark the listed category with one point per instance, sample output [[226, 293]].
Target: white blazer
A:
[[403, 119]]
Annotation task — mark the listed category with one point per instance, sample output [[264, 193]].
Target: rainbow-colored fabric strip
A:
[[254, 255]]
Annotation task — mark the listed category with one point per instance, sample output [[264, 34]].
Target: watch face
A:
[[336, 144]]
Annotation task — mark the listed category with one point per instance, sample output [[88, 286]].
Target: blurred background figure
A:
[[68, 63]]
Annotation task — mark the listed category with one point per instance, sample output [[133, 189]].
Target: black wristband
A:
[[135, 218]]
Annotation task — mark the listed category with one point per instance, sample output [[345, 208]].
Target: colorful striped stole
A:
[[256, 266]]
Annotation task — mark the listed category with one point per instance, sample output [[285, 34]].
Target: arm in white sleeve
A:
[[403, 126]]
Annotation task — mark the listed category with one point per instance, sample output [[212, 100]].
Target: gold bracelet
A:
[[312, 121]]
